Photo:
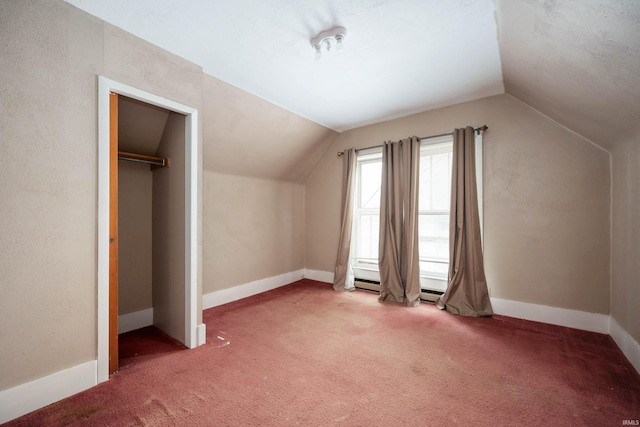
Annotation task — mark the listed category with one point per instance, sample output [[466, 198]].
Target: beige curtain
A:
[[343, 279], [398, 245], [466, 293]]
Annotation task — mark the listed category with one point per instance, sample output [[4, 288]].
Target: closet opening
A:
[[147, 138], [148, 220]]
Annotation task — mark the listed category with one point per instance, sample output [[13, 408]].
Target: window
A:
[[366, 215], [434, 204]]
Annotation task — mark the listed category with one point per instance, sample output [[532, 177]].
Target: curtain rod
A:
[[478, 129]]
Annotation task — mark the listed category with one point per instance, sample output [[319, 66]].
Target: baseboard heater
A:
[[374, 285]]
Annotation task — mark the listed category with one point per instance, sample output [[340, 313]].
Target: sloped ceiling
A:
[[246, 135], [578, 62], [140, 126]]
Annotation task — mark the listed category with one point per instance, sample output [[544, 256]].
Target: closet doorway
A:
[[166, 278], [146, 264]]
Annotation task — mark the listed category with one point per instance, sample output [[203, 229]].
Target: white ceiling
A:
[[578, 62], [400, 56]]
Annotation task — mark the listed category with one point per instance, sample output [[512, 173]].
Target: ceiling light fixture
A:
[[327, 38]]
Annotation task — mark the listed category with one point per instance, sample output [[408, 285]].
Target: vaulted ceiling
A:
[[576, 61]]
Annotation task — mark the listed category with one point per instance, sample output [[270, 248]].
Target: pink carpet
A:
[[304, 355]]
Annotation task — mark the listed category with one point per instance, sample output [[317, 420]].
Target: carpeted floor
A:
[[303, 355]]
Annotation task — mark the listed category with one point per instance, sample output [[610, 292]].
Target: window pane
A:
[[441, 181], [434, 224], [370, 179], [435, 180], [433, 269], [434, 249], [424, 199], [434, 205], [367, 236], [366, 218]]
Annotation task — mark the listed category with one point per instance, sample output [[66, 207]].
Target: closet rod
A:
[[141, 158]]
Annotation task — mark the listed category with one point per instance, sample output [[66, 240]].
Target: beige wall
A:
[[546, 202], [169, 232], [253, 229], [625, 277], [135, 185], [247, 136], [137, 63], [256, 158], [50, 54]]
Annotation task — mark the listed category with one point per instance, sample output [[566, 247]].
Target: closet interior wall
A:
[[141, 136], [135, 182]]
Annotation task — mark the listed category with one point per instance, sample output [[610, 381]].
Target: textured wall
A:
[[135, 185], [257, 156], [245, 135], [130, 60], [51, 54], [253, 229], [625, 276], [546, 202]]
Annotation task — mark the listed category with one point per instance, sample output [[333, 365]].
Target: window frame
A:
[[364, 269], [369, 270], [428, 280]]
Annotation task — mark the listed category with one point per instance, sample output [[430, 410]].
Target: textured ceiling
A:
[[578, 62], [400, 56]]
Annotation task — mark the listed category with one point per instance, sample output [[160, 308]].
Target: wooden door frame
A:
[[113, 232], [194, 334]]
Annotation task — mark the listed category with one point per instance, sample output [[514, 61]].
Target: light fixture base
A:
[[334, 36]]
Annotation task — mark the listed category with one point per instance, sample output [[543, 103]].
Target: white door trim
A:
[[105, 86]]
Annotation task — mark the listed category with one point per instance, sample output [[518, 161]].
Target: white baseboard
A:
[[320, 276], [28, 397], [136, 320], [626, 343], [235, 293], [592, 322]]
